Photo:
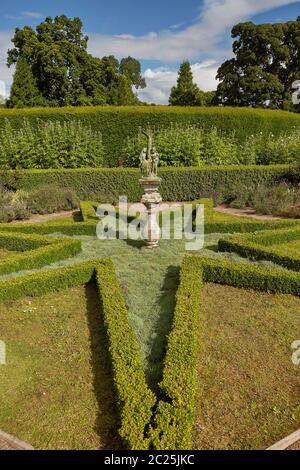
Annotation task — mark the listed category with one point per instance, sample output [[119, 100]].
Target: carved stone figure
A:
[[149, 157]]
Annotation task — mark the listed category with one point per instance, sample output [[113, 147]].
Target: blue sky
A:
[[160, 33]]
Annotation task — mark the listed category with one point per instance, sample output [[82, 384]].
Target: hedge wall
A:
[[117, 123], [178, 184]]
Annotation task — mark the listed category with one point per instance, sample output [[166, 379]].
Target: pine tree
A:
[[186, 93], [24, 91]]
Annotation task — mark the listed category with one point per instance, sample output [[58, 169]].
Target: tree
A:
[[24, 91], [132, 69], [266, 63], [65, 74], [120, 92], [186, 93]]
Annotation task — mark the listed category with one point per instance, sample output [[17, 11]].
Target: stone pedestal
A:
[[151, 199]]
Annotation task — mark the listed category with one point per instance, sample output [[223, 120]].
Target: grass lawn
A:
[[56, 390], [248, 396]]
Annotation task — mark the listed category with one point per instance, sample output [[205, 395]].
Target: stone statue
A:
[[149, 158]]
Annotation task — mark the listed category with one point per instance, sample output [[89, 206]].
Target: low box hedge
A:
[[35, 251], [178, 184], [175, 413], [260, 246]]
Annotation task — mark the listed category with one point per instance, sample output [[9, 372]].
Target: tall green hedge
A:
[[119, 123], [178, 184]]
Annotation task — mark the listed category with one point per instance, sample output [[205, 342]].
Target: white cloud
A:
[[160, 81], [33, 14], [5, 72], [203, 37]]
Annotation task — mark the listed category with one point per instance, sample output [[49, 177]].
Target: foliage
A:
[[49, 198], [186, 93], [24, 91], [36, 251], [175, 413], [116, 124], [49, 145], [61, 72], [178, 184], [12, 207], [264, 67], [135, 402], [269, 245], [250, 276], [269, 149]]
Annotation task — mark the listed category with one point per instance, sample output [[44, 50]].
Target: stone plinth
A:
[[151, 199]]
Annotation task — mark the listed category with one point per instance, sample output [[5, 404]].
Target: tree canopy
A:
[[187, 93], [54, 68], [266, 63]]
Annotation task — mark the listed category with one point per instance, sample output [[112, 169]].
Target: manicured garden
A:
[[111, 346], [148, 352]]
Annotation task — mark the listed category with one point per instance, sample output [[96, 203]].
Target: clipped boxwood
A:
[[178, 184], [260, 246], [134, 397], [175, 413], [35, 251], [118, 123]]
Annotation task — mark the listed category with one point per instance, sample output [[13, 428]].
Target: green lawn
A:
[[56, 390], [248, 388]]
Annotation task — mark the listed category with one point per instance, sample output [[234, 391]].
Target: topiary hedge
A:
[[260, 246], [178, 184], [118, 123], [134, 397], [36, 251], [175, 413]]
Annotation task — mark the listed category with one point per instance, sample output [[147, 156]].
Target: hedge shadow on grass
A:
[[103, 385]]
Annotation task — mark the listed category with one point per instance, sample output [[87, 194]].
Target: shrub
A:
[[49, 144], [178, 184], [49, 198], [270, 149], [118, 123], [175, 413], [274, 200], [260, 246], [134, 397], [185, 146], [12, 207]]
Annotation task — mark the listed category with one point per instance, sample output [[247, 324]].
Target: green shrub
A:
[[36, 251], [249, 276], [178, 184], [50, 198], [259, 246], [271, 149], [185, 146], [274, 200], [49, 144], [134, 397], [12, 206], [118, 123], [175, 413]]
